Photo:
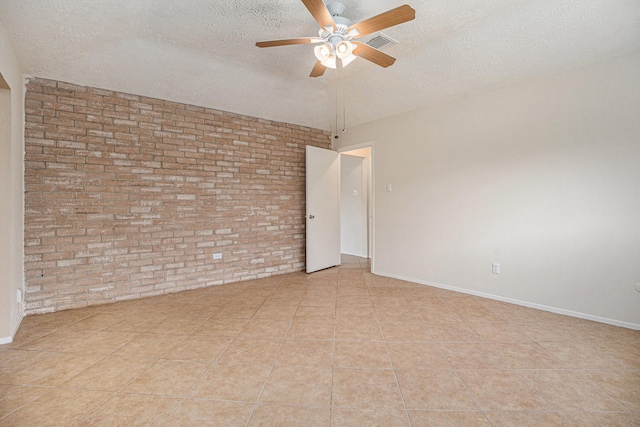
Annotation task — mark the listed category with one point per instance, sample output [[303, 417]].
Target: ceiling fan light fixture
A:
[[330, 62], [348, 60], [336, 34], [323, 51], [344, 49]]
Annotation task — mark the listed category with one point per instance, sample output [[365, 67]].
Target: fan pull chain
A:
[[344, 108], [340, 84], [337, 84]]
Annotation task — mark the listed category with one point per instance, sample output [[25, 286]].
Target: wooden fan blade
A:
[[287, 42], [318, 70], [387, 19], [372, 54], [320, 13]]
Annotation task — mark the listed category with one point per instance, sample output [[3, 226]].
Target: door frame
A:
[[355, 212], [371, 195]]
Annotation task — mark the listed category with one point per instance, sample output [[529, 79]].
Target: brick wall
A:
[[128, 196]]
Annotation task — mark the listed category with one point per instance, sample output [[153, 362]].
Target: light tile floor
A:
[[340, 347]]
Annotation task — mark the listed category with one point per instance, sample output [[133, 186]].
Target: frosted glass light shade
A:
[[323, 51], [344, 49]]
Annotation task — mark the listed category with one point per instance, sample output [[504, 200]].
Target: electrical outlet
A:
[[495, 268], [19, 296], [217, 256]]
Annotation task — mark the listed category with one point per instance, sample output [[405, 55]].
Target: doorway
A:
[[8, 315], [356, 201]]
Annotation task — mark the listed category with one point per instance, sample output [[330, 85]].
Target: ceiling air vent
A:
[[381, 41]]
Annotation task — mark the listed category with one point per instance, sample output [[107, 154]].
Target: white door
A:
[[323, 209]]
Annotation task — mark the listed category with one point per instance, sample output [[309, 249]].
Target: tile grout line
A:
[[201, 378], [393, 368], [105, 356], [273, 364], [120, 391], [333, 351], [195, 383]]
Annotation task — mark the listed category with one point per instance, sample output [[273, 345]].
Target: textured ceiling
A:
[[203, 52]]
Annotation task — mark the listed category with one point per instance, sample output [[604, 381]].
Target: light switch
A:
[[355, 193], [389, 188]]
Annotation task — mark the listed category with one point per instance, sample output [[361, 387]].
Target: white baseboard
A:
[[9, 340], [551, 309], [15, 331], [356, 255]]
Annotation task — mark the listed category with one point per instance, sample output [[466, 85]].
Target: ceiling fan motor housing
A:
[[335, 8], [333, 37]]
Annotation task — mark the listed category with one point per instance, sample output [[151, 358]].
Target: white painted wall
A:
[[353, 205], [367, 153], [542, 176], [11, 189]]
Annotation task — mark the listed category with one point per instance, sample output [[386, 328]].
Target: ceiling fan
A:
[[337, 34]]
